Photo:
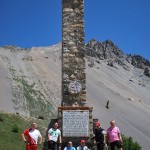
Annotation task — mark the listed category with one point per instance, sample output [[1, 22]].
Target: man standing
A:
[[100, 136], [114, 136], [32, 137], [54, 137]]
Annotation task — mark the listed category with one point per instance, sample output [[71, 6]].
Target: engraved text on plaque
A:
[[75, 123]]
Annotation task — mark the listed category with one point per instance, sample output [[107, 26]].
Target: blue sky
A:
[[28, 23]]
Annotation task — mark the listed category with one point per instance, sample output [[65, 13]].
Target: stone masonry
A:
[[73, 63]]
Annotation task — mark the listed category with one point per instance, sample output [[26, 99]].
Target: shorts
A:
[[116, 143]]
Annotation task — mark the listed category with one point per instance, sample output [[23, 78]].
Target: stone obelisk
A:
[[73, 62], [76, 116]]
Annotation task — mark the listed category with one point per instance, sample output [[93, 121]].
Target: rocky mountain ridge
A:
[[109, 51]]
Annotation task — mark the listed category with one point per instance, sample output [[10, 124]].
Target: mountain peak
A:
[[107, 50]]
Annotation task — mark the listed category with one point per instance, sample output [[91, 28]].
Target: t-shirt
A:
[[32, 135], [54, 133], [69, 148], [113, 134], [82, 148]]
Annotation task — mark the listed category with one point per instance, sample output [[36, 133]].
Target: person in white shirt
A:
[[82, 146], [54, 137], [32, 137]]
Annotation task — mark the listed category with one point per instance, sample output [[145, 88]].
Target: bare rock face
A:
[[107, 50], [30, 81], [147, 72]]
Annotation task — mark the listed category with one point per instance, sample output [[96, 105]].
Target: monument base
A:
[[76, 124]]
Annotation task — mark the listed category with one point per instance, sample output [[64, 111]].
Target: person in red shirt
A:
[[32, 137]]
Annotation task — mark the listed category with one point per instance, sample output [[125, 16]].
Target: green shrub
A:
[[1, 119], [15, 129], [129, 144]]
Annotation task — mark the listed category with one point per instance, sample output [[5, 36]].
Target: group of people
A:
[[32, 138]]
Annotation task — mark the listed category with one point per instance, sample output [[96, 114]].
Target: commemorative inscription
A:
[[75, 123]]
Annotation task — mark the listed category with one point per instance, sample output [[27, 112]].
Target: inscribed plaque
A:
[[75, 123]]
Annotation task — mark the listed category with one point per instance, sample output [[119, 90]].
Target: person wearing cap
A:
[[100, 136], [69, 146], [82, 146], [54, 137], [32, 137], [114, 136]]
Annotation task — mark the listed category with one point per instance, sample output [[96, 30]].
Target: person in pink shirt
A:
[[114, 136]]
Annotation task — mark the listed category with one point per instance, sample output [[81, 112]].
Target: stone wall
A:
[[73, 62]]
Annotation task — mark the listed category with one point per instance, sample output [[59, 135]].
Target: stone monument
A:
[[73, 63], [74, 115]]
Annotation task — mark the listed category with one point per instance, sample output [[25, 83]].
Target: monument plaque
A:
[[75, 123]]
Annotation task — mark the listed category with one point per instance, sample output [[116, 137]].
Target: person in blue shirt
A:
[[69, 146]]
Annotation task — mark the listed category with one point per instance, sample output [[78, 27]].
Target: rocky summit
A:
[[118, 85]]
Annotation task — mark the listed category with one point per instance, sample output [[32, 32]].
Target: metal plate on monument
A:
[[75, 123]]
